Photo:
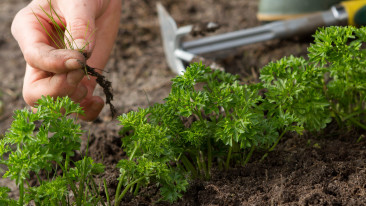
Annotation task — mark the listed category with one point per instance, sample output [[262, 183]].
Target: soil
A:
[[325, 168]]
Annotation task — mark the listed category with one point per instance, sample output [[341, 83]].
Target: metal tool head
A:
[[171, 36]]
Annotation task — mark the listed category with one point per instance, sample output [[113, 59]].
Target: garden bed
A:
[[326, 168]]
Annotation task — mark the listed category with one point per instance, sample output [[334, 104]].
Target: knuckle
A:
[[28, 54], [16, 24]]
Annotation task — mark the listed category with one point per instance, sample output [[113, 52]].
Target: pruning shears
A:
[[176, 51]]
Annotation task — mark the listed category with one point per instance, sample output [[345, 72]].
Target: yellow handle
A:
[[351, 8]]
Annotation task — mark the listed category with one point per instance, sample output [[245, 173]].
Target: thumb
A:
[[80, 22]]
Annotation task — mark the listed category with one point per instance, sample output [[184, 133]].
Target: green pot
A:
[[270, 10]]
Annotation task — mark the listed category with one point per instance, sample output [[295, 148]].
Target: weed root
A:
[[105, 84]]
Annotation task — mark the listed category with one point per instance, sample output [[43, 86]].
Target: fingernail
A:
[[73, 64], [74, 77]]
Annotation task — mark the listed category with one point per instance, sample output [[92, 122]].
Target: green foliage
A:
[[339, 51], [49, 193], [37, 148], [43, 142], [149, 156], [4, 197], [204, 116], [140, 173], [211, 118], [294, 94]]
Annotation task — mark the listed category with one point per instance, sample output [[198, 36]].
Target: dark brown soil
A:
[[315, 169]]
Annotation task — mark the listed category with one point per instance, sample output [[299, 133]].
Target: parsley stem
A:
[[274, 146], [127, 188], [228, 158], [106, 192], [356, 113], [134, 151], [198, 113], [209, 156], [119, 186], [137, 189], [66, 164], [278, 140], [189, 166], [73, 188], [203, 164], [94, 190], [199, 165], [249, 155], [39, 179], [120, 183], [357, 123], [21, 192], [82, 189]]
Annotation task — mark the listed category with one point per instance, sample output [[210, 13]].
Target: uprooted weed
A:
[[63, 39]]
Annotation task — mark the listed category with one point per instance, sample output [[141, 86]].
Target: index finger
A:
[[37, 46]]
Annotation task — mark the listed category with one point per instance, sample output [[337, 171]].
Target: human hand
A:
[[55, 71]]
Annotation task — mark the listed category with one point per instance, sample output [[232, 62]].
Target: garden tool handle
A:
[[356, 11], [347, 13], [351, 12], [337, 15], [279, 29]]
